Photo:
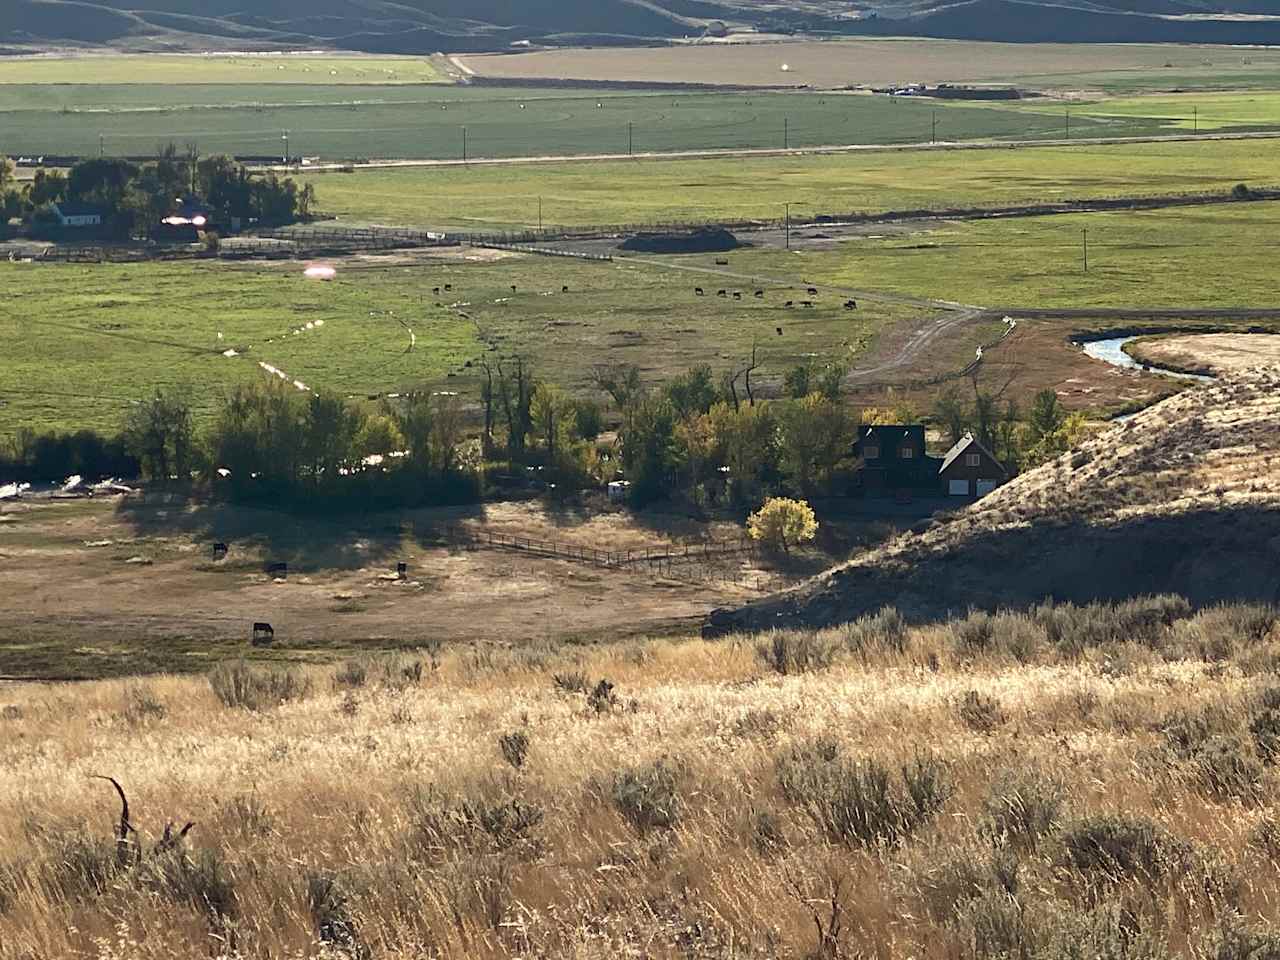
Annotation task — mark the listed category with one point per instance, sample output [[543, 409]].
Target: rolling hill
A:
[[1182, 499], [428, 26]]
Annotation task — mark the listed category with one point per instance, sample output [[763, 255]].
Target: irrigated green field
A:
[[427, 121], [613, 192], [1220, 256], [82, 341]]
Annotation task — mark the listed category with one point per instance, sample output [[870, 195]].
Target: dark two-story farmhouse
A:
[[894, 462]]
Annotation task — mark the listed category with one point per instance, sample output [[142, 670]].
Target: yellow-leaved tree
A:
[[781, 523]]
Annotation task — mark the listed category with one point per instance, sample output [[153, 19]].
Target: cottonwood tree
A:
[[814, 435], [783, 523], [160, 434], [747, 440]]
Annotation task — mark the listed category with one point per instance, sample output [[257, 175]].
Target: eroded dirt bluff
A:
[[1184, 498]]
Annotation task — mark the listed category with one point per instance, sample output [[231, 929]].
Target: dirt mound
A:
[[1181, 499], [696, 241]]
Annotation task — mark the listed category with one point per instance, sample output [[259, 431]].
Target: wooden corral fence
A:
[[359, 238], [540, 251]]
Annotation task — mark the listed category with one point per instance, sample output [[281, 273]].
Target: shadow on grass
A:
[[307, 542], [1207, 556]]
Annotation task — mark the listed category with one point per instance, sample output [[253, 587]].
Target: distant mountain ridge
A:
[[428, 26]]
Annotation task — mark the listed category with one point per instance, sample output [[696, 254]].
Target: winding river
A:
[[1112, 351]]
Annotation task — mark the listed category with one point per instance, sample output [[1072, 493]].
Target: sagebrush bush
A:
[[1119, 847], [1145, 620], [648, 797], [1021, 808], [475, 823], [238, 684], [860, 802], [354, 672], [332, 914], [885, 630], [514, 747], [789, 653], [1239, 941], [201, 880], [979, 713], [1228, 769], [1264, 723]]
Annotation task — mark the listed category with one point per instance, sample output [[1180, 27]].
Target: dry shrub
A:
[[1238, 941], [648, 797], [514, 747], [238, 684], [1022, 807], [789, 653], [758, 724], [882, 631], [963, 874], [1144, 620], [202, 881], [859, 802], [1012, 635], [1117, 847], [354, 672], [475, 823], [329, 902], [1264, 723], [1228, 770], [1220, 633], [142, 705], [979, 713]]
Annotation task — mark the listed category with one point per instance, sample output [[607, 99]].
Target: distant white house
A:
[[77, 214]]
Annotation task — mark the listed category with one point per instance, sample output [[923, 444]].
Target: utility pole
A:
[[285, 138], [102, 145], [786, 133], [539, 214], [1195, 118], [630, 138], [464, 144], [788, 206], [933, 137], [1086, 249]]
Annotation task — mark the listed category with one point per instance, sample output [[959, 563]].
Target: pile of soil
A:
[[706, 240]]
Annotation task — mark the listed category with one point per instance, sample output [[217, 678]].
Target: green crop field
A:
[[366, 120], [1221, 256], [219, 68], [1190, 111], [616, 192], [82, 341]]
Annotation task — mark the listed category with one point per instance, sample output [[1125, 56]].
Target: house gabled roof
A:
[[891, 432], [968, 442]]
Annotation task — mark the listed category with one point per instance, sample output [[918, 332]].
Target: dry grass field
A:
[[872, 791], [1216, 354], [879, 62]]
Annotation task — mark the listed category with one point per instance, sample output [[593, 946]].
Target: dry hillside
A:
[[1183, 498]]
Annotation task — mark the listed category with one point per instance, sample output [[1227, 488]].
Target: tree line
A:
[[137, 196], [700, 438]]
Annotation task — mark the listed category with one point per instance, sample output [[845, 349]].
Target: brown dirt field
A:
[[1216, 354], [68, 575], [826, 64]]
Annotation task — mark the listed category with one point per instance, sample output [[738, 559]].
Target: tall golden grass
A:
[[1018, 786]]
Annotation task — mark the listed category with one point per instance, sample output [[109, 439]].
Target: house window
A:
[[871, 453], [972, 460], [908, 453]]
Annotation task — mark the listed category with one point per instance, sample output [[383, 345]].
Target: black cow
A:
[[698, 292], [219, 551], [263, 635]]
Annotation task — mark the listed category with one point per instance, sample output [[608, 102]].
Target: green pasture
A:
[[362, 121], [81, 342], [157, 68], [1221, 256], [1191, 111], [655, 191]]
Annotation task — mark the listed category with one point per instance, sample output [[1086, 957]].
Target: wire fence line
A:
[[704, 562]]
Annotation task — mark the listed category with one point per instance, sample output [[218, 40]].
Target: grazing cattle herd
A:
[[850, 304]]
